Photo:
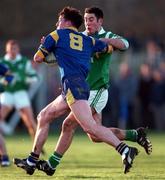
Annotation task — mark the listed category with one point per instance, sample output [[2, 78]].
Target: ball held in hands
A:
[[50, 59]]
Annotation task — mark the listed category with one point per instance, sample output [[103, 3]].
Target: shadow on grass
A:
[[85, 177]]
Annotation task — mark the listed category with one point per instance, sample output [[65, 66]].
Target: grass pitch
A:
[[88, 161]]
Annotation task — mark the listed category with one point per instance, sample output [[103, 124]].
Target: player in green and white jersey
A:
[[15, 94], [98, 78]]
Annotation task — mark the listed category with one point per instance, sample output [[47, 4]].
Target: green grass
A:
[[86, 160]]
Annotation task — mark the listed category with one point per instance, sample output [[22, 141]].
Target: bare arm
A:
[[37, 58], [117, 43], [40, 55]]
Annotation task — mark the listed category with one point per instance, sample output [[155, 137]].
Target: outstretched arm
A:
[[118, 42]]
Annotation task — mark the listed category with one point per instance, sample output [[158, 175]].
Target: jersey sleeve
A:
[[100, 46], [115, 36], [48, 45], [51, 41]]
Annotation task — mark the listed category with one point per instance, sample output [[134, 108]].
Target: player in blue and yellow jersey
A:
[[79, 47], [5, 78], [98, 80], [73, 51]]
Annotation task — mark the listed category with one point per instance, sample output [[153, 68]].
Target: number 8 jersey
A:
[[73, 51]]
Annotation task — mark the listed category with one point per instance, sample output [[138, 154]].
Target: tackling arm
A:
[[117, 42]]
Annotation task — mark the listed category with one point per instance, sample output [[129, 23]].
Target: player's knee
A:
[[69, 126], [91, 129], [41, 119], [94, 139]]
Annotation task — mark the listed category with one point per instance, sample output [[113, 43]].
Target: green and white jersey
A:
[[98, 76], [22, 70]]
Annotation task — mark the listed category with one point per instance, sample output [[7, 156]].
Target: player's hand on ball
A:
[[50, 59]]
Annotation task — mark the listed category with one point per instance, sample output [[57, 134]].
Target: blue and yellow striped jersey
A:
[[72, 49]]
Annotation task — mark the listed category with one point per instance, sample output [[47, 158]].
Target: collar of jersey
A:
[[72, 28], [102, 31], [18, 57]]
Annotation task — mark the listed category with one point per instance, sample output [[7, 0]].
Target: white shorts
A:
[[19, 99], [98, 99]]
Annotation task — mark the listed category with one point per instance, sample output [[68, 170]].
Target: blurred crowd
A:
[[137, 89]]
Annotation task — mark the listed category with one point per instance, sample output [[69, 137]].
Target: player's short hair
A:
[[72, 15], [12, 42], [96, 11]]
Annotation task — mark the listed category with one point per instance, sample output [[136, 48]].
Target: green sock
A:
[[54, 159], [131, 135]]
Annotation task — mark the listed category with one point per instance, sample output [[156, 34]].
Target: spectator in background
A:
[[154, 53], [127, 86], [158, 100], [143, 93], [133, 41], [110, 112], [162, 68], [15, 94]]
